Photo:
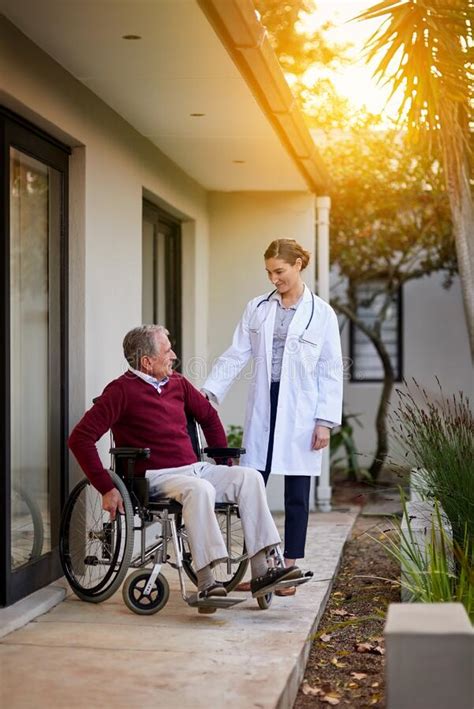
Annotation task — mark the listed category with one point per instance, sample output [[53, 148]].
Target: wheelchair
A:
[[96, 553]]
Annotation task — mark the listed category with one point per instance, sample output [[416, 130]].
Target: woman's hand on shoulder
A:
[[320, 438]]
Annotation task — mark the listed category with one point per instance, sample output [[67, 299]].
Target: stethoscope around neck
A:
[[302, 337]]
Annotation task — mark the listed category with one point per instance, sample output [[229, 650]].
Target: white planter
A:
[[429, 656]]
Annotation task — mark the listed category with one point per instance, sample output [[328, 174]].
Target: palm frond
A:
[[423, 54], [380, 9]]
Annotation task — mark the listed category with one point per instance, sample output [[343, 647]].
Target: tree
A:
[[390, 216], [298, 51], [390, 224], [427, 48]]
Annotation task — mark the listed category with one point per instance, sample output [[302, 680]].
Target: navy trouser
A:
[[296, 492]]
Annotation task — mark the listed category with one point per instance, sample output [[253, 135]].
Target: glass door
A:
[[34, 370]]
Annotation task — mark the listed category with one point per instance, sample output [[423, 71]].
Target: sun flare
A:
[[354, 81]]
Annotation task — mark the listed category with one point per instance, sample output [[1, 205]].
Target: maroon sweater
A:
[[141, 418]]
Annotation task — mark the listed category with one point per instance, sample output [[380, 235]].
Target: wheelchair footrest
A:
[[307, 576], [215, 602]]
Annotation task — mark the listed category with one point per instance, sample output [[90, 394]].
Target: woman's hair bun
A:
[[288, 250]]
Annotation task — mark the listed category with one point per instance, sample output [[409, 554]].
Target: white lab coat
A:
[[310, 383]]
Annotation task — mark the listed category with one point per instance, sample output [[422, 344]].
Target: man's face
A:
[[159, 365]]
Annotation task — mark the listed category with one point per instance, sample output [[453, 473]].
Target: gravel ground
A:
[[346, 663]]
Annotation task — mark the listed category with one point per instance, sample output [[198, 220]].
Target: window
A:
[[366, 364], [161, 271], [33, 356]]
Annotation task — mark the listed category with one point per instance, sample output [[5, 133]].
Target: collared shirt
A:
[[283, 318], [157, 384]]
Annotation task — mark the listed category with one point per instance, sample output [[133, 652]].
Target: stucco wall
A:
[[242, 224], [112, 167]]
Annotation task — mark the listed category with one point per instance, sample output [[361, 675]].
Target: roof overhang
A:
[[195, 56], [247, 42]]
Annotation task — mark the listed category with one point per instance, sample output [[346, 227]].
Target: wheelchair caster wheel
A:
[[264, 602], [137, 601]]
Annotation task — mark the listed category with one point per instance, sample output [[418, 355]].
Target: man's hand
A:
[[111, 501], [320, 437]]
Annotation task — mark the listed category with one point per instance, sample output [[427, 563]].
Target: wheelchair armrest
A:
[[127, 452], [224, 452]]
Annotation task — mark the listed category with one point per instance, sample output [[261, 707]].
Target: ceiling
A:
[[177, 68]]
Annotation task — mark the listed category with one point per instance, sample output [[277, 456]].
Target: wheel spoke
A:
[[93, 548]]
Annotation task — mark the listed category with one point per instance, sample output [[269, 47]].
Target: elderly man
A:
[[146, 408]]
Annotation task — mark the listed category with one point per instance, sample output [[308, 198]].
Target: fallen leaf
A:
[[337, 593], [340, 611], [364, 647], [331, 698], [375, 684], [336, 663], [309, 690], [325, 638], [369, 647], [358, 675], [375, 699], [353, 685]]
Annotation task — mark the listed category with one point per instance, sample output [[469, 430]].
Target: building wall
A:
[[242, 224], [435, 343], [224, 235], [112, 168]]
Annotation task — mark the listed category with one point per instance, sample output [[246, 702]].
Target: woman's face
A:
[[283, 276]]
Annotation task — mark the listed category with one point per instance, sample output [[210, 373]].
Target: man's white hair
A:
[[141, 341]]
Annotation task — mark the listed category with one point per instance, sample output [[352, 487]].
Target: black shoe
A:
[[272, 577]]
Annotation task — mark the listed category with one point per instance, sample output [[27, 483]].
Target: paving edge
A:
[[287, 698], [27, 609]]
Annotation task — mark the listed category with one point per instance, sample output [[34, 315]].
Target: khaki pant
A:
[[198, 487]]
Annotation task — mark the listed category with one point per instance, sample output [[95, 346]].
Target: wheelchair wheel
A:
[[264, 602], [95, 552], [134, 598], [238, 555], [26, 528]]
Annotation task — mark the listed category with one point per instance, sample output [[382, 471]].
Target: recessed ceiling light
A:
[[197, 115], [131, 36], [239, 162]]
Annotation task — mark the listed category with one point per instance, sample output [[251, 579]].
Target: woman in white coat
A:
[[295, 393]]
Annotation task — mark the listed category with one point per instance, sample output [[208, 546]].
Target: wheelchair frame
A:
[[144, 591]]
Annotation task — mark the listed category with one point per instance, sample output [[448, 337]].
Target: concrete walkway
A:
[[81, 655]]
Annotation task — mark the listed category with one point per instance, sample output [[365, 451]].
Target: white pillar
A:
[[323, 207]]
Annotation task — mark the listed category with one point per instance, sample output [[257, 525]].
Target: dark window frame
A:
[[17, 132], [354, 379], [173, 268]]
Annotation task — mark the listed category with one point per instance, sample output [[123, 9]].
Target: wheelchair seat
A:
[[160, 504]]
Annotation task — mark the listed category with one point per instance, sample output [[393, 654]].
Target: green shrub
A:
[[343, 438], [439, 571], [234, 436], [438, 437]]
